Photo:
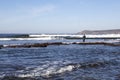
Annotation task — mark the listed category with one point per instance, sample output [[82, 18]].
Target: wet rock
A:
[[86, 65], [97, 43], [1, 46], [28, 45], [58, 43], [35, 45], [92, 65], [60, 79], [16, 78], [39, 45]]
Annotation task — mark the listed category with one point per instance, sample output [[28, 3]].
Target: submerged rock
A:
[[1, 46], [17, 78]]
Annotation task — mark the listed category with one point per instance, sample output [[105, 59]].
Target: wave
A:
[[40, 72], [15, 39], [6, 37], [46, 71]]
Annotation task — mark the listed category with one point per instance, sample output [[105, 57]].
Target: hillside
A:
[[97, 32]]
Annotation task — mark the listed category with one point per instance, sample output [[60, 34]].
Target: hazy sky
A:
[[58, 16]]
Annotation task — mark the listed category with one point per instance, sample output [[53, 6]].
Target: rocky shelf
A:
[[57, 43]]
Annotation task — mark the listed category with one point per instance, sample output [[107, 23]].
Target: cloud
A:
[[26, 12]]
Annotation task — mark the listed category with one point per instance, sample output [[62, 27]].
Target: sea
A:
[[59, 62]]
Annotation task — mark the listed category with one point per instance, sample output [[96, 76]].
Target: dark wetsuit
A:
[[84, 37]]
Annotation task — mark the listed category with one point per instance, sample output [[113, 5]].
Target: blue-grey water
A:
[[63, 62]]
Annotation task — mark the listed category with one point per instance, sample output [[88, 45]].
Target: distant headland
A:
[[98, 32]]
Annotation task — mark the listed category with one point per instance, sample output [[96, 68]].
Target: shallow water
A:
[[63, 62]]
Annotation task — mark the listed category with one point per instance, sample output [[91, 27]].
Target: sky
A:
[[58, 16]]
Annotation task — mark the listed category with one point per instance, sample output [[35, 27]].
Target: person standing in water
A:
[[84, 37]]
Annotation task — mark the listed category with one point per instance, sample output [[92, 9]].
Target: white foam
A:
[[10, 45], [4, 39], [26, 75], [66, 68], [2, 75], [50, 37], [50, 68], [80, 36], [5, 45], [104, 36], [47, 72], [7, 39]]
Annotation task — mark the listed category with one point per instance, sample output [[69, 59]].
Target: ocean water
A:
[[60, 62]]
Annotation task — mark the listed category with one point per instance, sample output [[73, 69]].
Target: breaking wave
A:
[[47, 71], [14, 39]]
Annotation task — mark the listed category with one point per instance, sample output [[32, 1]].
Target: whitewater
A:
[[50, 37]]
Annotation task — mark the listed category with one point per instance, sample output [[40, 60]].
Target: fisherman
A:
[[84, 37]]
